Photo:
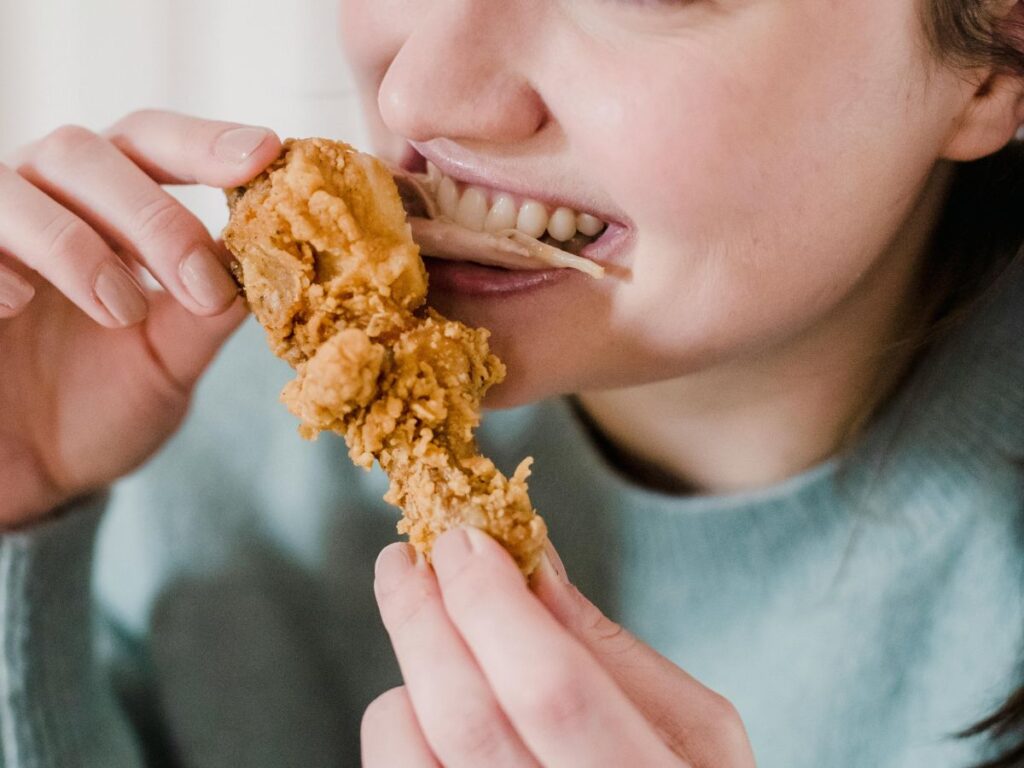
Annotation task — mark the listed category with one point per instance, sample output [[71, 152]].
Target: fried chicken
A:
[[328, 265]]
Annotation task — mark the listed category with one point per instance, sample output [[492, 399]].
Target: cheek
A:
[[763, 182], [372, 32]]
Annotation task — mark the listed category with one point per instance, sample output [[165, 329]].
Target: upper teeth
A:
[[481, 210]]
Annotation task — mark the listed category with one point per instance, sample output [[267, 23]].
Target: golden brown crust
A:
[[330, 270]]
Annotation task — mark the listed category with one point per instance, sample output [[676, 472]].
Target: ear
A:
[[995, 107], [990, 120]]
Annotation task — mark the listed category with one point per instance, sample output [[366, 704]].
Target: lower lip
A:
[[477, 280]]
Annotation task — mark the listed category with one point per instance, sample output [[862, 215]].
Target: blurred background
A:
[[89, 62]]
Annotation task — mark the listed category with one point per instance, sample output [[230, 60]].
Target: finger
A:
[[92, 177], [185, 343], [696, 722], [563, 704], [66, 251], [15, 293], [177, 149], [455, 707], [390, 736]]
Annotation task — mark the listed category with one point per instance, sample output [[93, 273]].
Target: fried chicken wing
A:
[[329, 267]]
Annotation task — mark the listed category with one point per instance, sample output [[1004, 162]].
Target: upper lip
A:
[[468, 168]]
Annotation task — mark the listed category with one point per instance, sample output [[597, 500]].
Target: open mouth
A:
[[455, 221]]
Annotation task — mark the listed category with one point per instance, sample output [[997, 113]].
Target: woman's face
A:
[[759, 156]]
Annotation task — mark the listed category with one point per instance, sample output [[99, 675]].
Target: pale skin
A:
[[783, 167], [780, 164], [91, 390]]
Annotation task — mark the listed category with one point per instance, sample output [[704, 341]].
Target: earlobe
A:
[[989, 121]]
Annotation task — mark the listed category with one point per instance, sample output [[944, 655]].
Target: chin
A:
[[530, 334], [522, 386], [525, 381], [545, 360]]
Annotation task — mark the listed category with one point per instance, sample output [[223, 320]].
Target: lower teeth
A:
[[574, 246]]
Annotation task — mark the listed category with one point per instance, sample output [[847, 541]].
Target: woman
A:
[[779, 467]]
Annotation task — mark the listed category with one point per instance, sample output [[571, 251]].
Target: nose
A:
[[461, 75]]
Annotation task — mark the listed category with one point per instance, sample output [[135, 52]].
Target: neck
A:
[[755, 421]]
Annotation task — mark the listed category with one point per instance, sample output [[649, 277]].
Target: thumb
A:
[[186, 343], [697, 723]]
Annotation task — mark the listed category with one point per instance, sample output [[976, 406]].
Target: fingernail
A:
[[238, 145], [206, 280], [120, 294], [554, 561], [477, 538], [14, 292], [393, 564], [451, 548]]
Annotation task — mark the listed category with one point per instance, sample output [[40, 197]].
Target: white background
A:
[[269, 62]]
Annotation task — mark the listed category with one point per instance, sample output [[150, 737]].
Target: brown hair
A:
[[968, 33], [981, 232]]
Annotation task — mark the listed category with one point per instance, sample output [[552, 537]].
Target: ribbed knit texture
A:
[[56, 704], [857, 615]]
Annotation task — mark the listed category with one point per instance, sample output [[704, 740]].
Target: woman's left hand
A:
[[499, 675]]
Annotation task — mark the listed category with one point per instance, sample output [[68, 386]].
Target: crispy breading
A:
[[329, 268]]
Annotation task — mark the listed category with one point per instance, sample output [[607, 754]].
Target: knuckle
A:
[[140, 116], [65, 237], [613, 637], [384, 711], [726, 723], [135, 122], [159, 219], [474, 734], [9, 181], [200, 134], [717, 730], [734, 735], [558, 702], [721, 710], [65, 142]]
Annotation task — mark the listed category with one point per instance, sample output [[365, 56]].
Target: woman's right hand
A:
[[96, 372]]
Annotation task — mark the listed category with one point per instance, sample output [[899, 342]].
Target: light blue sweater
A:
[[857, 615]]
